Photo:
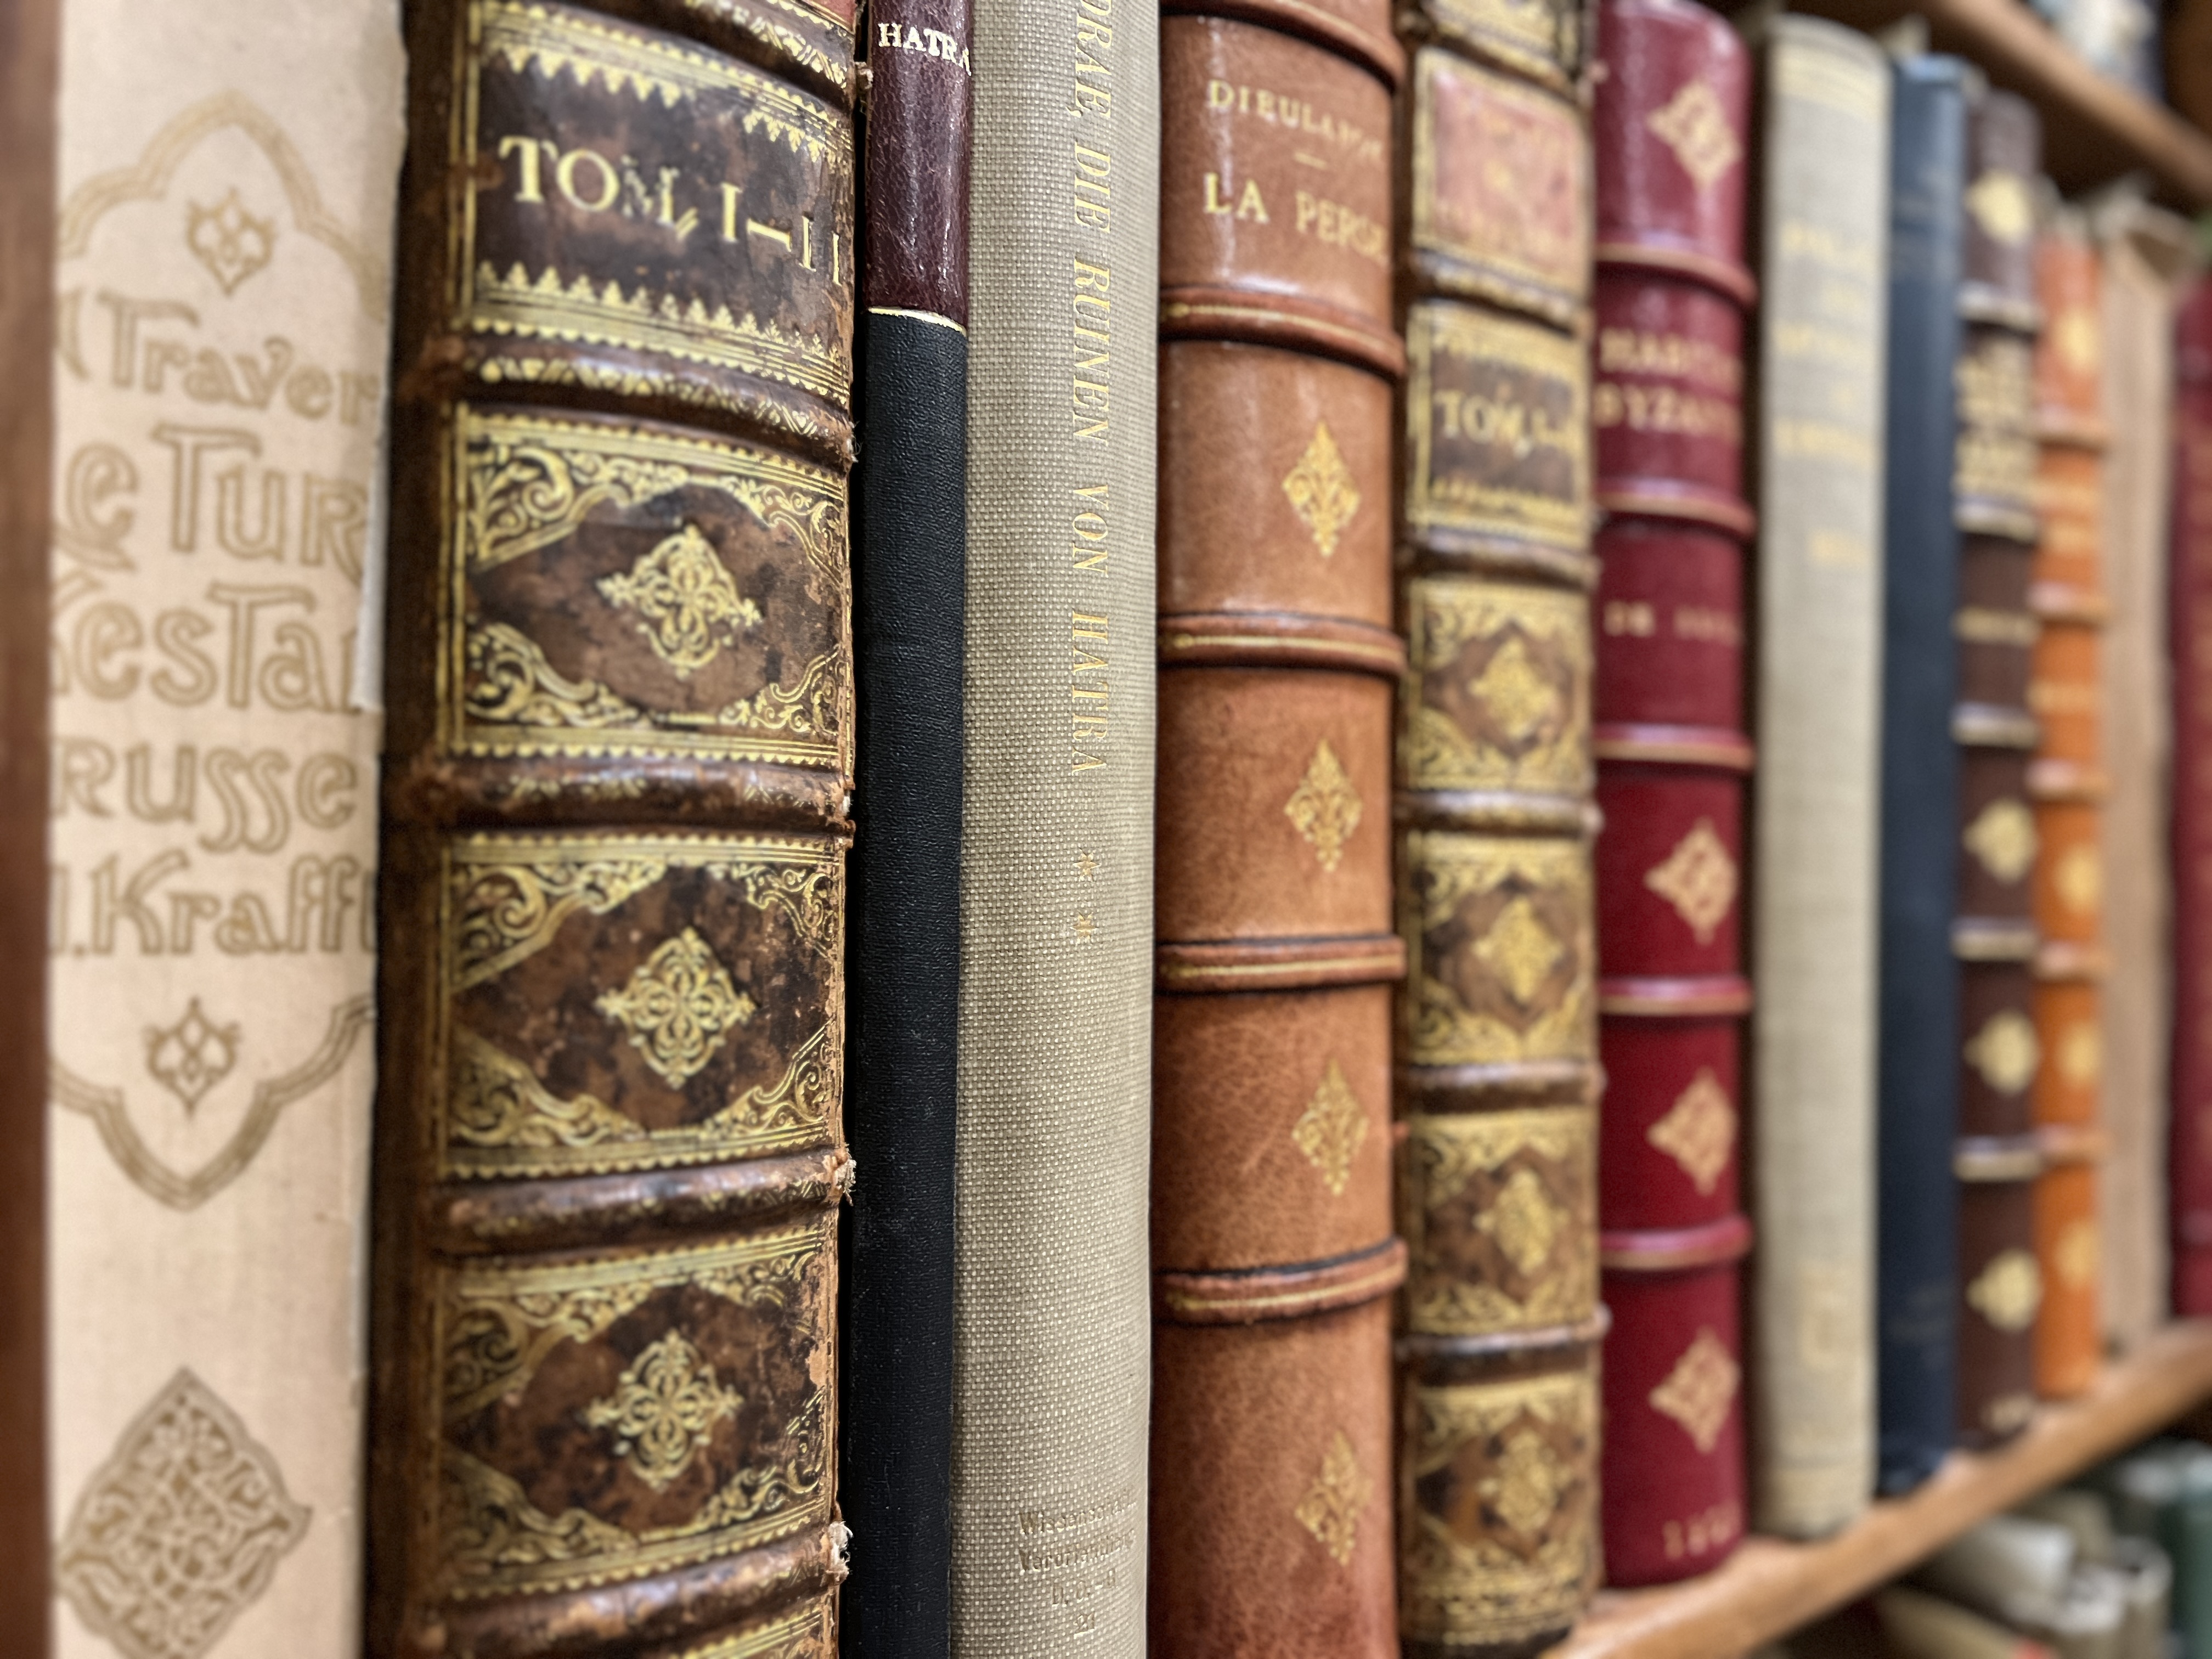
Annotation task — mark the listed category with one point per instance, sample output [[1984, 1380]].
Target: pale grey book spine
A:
[[1825, 221], [1051, 1358]]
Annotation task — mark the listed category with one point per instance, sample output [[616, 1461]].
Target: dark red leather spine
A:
[[1665, 401], [2191, 615]]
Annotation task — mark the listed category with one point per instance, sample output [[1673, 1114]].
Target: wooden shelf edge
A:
[[1770, 1587], [2095, 128]]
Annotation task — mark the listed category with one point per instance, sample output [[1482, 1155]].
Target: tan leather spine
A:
[[30, 41], [2147, 254], [1497, 1038], [2067, 785], [619, 667], [1273, 1254]]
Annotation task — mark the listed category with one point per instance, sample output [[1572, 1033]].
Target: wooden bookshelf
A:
[[2094, 129], [1769, 1587]]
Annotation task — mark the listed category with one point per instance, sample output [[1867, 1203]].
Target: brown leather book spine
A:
[[2067, 784], [29, 49], [1273, 1249], [1497, 1063], [1994, 934], [619, 679], [1672, 106]]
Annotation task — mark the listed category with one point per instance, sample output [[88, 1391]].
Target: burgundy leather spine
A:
[[2191, 1158], [1673, 93]]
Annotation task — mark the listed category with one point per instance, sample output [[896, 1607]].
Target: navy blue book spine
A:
[[1917, 1293]]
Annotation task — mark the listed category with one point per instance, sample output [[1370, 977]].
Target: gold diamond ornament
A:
[[1698, 879], [1519, 950], [1321, 490], [1699, 1131], [1693, 125], [1524, 1222], [1331, 1508], [2002, 206], [2002, 837], [1525, 1491], [179, 1531], [1331, 1129], [2005, 1052], [679, 1007], [2008, 1292], [2079, 879], [2073, 1257], [1520, 697], [1325, 808], [2080, 1053], [2073, 335], [687, 603], [1698, 1392], [664, 1408]]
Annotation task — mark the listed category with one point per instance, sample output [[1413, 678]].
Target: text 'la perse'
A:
[[590, 183]]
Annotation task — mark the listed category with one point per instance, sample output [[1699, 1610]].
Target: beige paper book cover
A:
[[1818, 695], [226, 185], [1052, 1363]]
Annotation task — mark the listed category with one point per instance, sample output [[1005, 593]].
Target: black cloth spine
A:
[[909, 607], [1918, 1294]]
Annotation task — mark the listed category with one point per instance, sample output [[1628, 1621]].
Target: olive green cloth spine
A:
[[1052, 1363]]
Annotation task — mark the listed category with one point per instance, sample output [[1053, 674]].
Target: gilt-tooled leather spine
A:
[[1670, 115], [1497, 1063], [910, 568], [1274, 1258], [1915, 1313], [2190, 619], [619, 750], [1994, 931], [1823, 209], [2067, 784]]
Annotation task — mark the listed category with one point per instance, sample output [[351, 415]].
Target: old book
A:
[[1669, 115], [1272, 911], [909, 571], [222, 284], [1497, 1073], [1052, 1360], [2190, 620], [1994, 933], [619, 749], [29, 46], [1817, 690], [1916, 1310], [2067, 785], [2148, 255]]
